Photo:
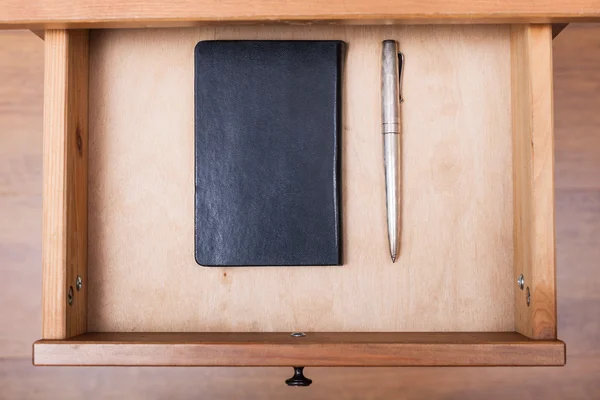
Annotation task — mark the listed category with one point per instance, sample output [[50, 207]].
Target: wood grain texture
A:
[[577, 160], [21, 108], [144, 13], [577, 81], [64, 226], [317, 349], [21, 380], [455, 269], [22, 76], [533, 175]]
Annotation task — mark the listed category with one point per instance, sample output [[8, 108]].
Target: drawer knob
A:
[[298, 379]]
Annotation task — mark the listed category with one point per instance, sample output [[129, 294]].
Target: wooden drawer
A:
[[120, 284]]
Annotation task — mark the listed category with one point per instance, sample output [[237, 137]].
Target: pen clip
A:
[[400, 75]]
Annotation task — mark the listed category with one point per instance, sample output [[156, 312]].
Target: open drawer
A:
[[475, 280]]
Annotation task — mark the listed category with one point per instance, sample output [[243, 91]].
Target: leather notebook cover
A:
[[267, 152]]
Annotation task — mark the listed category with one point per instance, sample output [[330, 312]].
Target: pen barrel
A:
[[390, 88], [391, 155]]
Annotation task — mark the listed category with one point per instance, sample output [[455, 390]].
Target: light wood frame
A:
[[60, 14], [65, 337]]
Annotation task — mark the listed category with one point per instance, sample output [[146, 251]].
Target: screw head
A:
[[298, 334], [521, 282], [528, 297], [78, 283], [70, 295]]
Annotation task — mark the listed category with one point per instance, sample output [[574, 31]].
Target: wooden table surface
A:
[[577, 116]]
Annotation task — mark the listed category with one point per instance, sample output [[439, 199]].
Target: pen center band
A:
[[390, 127]]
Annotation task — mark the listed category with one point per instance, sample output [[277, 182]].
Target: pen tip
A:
[[393, 258]]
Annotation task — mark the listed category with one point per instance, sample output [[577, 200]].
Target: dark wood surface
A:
[[577, 119]]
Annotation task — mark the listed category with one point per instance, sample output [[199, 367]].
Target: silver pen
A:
[[391, 75]]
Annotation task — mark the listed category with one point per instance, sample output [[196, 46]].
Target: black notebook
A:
[[267, 143]]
